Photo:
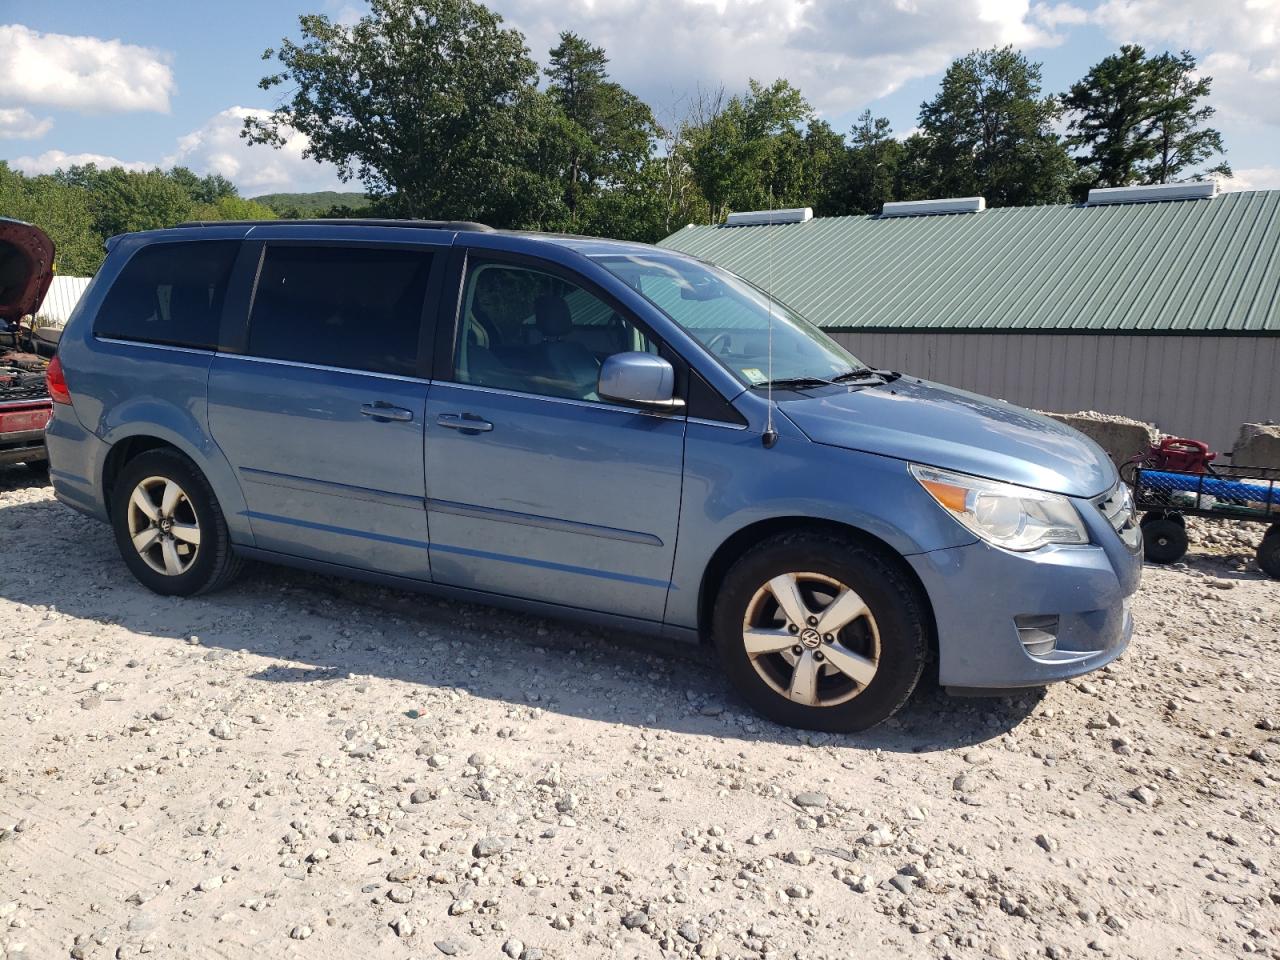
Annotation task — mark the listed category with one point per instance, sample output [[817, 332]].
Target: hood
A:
[[26, 268], [940, 426]]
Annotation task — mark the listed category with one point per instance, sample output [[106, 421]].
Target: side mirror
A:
[[639, 378]]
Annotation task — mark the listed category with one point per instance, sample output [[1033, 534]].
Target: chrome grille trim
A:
[[1116, 505]]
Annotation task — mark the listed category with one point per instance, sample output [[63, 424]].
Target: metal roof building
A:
[[1166, 310]]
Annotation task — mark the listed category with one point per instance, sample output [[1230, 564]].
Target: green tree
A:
[[825, 166], [432, 104], [61, 211], [125, 201], [1136, 118], [232, 207], [207, 189], [869, 174], [609, 132], [749, 153], [990, 132], [914, 177], [1182, 139]]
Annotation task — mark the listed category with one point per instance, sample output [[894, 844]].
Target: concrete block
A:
[[1120, 437], [1257, 446]]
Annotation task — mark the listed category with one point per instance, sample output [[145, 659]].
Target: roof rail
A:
[[1149, 193], [760, 218], [925, 208], [462, 226]]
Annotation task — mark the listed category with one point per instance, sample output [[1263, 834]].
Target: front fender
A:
[[731, 481]]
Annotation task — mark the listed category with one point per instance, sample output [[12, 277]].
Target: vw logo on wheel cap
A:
[[811, 639]]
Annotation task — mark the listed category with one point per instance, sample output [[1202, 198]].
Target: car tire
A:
[[187, 546], [1164, 540], [842, 680], [1269, 552]]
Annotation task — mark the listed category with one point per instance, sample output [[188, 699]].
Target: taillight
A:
[[56, 382]]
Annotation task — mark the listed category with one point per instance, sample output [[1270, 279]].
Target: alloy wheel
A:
[[812, 639], [163, 526]]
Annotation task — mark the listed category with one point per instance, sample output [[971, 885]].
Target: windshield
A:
[[731, 318]]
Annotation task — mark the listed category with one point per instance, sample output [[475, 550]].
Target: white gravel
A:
[[300, 766]]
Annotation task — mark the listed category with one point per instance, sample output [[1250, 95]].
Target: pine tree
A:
[[1136, 118], [989, 132]]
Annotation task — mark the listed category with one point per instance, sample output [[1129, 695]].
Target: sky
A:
[[144, 83]]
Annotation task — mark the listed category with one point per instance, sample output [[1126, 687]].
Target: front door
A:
[[536, 487], [322, 415]]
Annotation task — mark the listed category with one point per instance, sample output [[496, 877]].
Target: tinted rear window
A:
[[170, 293], [337, 306]]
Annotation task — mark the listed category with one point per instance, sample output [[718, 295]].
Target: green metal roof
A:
[[1173, 266]]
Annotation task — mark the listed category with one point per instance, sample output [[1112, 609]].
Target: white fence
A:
[[64, 293]]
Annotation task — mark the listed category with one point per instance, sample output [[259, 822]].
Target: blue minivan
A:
[[589, 428]]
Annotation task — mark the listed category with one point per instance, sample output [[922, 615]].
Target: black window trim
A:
[[247, 273], [448, 330]]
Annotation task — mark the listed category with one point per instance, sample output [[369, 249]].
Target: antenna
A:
[[770, 435]]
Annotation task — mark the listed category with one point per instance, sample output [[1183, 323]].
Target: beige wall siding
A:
[[1199, 387]]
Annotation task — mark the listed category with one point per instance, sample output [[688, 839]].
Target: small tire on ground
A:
[[1269, 552], [215, 565], [893, 599], [1164, 540]]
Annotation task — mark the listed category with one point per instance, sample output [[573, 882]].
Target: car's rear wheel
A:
[[820, 632], [169, 527]]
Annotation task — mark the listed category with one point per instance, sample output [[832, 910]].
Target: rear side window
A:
[[170, 293], [341, 306]]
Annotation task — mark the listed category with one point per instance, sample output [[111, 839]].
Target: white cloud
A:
[[216, 147], [1253, 178], [1239, 40], [17, 123], [52, 160], [840, 54], [81, 73], [1060, 15]]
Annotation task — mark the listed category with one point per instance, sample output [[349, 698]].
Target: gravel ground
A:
[[300, 766]]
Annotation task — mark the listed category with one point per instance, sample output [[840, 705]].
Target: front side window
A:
[[170, 294], [738, 323], [360, 308], [531, 331]]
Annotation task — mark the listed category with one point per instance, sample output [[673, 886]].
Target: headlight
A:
[[1009, 516]]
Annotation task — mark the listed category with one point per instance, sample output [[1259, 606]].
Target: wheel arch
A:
[[208, 459], [125, 450], [756, 533]]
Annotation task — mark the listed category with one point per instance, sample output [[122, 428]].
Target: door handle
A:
[[466, 422], [383, 411]]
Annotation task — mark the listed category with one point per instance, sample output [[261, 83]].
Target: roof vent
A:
[[756, 218], [925, 208], [1196, 190]]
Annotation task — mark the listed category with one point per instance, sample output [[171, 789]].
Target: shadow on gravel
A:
[[22, 477], [328, 630]]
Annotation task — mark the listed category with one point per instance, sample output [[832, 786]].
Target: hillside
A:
[[312, 204]]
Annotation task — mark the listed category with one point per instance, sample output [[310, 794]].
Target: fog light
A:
[[1039, 634]]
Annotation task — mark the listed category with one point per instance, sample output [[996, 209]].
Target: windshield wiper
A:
[[793, 383], [862, 373]]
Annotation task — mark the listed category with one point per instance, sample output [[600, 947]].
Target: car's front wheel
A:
[[820, 632], [169, 527]]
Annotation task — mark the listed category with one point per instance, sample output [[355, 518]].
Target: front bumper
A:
[[980, 592]]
